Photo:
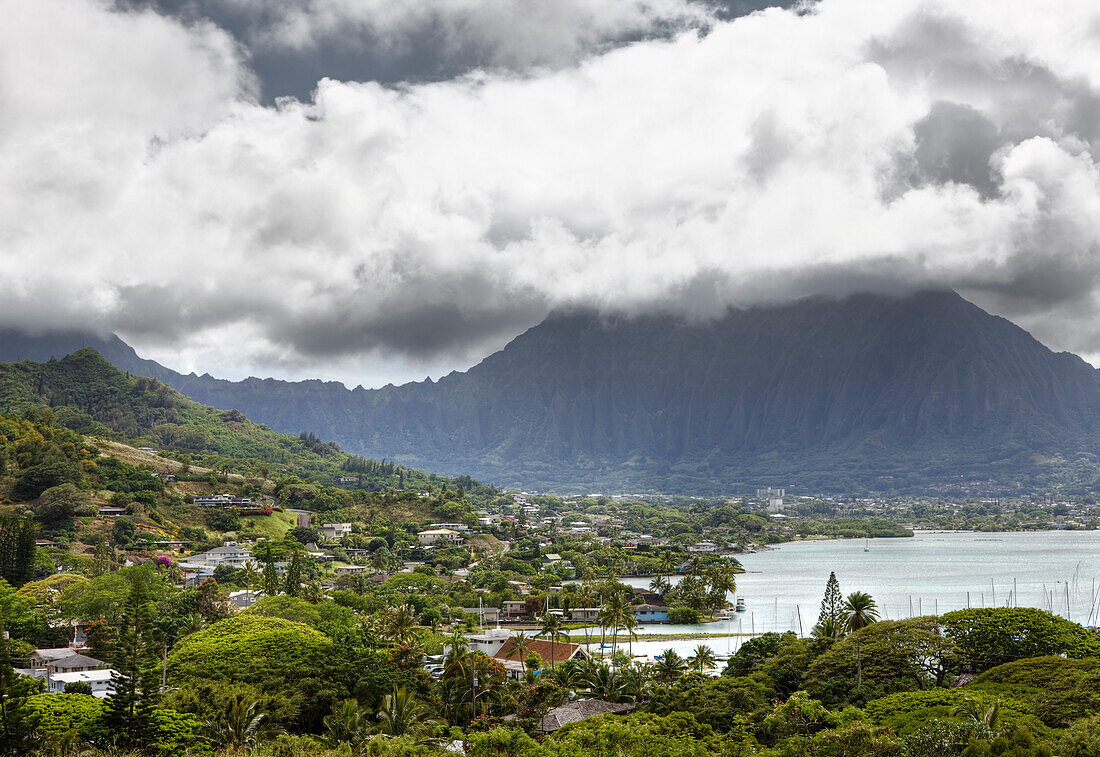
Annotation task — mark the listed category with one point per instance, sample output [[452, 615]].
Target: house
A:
[[42, 658], [514, 608], [244, 598], [110, 511], [586, 613], [99, 680], [338, 480], [490, 642], [74, 663], [228, 554], [452, 526], [221, 500], [484, 614], [705, 547], [334, 531], [579, 710], [350, 570], [650, 613], [439, 535], [551, 653]]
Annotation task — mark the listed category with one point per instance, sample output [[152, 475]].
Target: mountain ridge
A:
[[865, 392]]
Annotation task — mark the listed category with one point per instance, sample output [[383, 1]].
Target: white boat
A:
[[740, 606]]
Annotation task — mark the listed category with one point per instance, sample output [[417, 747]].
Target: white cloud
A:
[[777, 155]]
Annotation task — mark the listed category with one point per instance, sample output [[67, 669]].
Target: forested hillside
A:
[[917, 393]]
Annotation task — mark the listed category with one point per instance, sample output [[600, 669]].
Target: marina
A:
[[929, 574]]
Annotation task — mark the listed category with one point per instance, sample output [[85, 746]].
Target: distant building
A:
[[439, 535], [775, 505], [650, 613], [244, 598], [335, 531], [221, 500], [99, 680]]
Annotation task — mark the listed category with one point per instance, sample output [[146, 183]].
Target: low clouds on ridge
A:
[[910, 143]]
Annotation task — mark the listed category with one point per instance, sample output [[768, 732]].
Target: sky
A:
[[374, 191]]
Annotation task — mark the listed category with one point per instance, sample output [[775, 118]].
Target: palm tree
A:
[[521, 646], [631, 625], [238, 725], [550, 627], [670, 667], [403, 715], [667, 562], [347, 724], [660, 585], [860, 611], [457, 645], [702, 658], [249, 575], [400, 624], [604, 682], [972, 709]]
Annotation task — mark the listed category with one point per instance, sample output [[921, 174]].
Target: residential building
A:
[[439, 536], [221, 500], [99, 680], [335, 531], [244, 598], [650, 613], [579, 710], [551, 653]]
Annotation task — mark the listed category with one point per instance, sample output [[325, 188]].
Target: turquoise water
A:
[[929, 573]]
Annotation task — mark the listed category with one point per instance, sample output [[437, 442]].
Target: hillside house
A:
[[334, 531], [439, 536], [650, 613]]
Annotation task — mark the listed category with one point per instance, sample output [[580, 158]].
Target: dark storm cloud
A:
[[428, 40]]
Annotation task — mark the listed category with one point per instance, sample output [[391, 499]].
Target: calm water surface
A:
[[927, 574]]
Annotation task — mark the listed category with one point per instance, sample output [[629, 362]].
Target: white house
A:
[[439, 535], [334, 531], [99, 680], [244, 598]]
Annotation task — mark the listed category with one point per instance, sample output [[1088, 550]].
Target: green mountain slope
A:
[[85, 393]]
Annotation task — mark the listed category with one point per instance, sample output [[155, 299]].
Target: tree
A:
[[670, 667], [78, 687], [240, 723], [830, 623], [702, 658], [135, 685], [348, 723], [293, 583], [58, 505], [550, 627], [17, 721], [270, 575], [988, 637], [859, 611], [403, 715], [17, 549]]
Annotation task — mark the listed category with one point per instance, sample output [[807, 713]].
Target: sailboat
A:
[[866, 544]]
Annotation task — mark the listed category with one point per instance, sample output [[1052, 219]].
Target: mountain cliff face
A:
[[869, 392]]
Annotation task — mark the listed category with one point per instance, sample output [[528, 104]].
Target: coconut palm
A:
[[703, 658], [399, 624], [457, 645], [973, 710], [670, 667], [521, 646], [631, 625], [860, 610], [666, 562], [550, 627], [604, 682], [660, 585], [348, 723], [239, 724], [402, 714]]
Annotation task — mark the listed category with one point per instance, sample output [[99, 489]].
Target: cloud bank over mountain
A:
[[375, 232]]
